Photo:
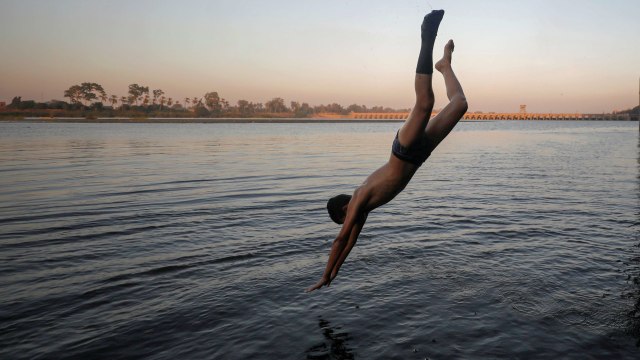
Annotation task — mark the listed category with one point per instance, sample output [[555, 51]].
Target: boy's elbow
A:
[[341, 239], [341, 242]]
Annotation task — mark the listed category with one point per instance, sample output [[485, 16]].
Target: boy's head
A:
[[337, 207]]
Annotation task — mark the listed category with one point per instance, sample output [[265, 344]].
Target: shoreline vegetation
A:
[[117, 120], [88, 102]]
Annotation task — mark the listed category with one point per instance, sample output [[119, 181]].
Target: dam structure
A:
[[502, 116]]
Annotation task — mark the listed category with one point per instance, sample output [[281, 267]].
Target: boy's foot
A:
[[431, 23], [430, 26], [445, 62]]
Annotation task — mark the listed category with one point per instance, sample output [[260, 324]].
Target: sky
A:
[[553, 56]]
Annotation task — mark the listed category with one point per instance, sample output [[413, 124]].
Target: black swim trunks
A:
[[417, 153]]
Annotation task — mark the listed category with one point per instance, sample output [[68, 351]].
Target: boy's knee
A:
[[464, 106], [460, 102]]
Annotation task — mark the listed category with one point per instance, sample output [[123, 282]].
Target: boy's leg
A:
[[414, 127], [442, 124]]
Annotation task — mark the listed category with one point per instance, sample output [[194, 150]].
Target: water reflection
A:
[[334, 346]]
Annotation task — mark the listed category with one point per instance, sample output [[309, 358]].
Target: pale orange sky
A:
[[560, 56]]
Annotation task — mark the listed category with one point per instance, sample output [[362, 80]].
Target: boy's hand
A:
[[324, 281]]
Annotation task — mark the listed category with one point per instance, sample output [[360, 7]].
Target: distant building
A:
[[523, 109], [3, 104]]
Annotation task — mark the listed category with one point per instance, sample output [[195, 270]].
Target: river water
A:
[[161, 241]]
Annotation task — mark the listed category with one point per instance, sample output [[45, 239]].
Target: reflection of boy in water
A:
[[413, 144]]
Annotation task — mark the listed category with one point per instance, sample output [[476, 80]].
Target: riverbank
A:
[[323, 120]]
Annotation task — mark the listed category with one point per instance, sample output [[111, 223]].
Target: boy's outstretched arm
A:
[[353, 237], [336, 250], [344, 242]]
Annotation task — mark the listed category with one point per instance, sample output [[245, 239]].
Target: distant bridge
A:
[[502, 116]]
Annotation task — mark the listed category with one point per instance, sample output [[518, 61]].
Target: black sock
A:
[[429, 31]]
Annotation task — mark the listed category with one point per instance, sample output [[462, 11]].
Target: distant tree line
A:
[[143, 101]]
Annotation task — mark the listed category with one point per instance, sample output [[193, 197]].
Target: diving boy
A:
[[413, 144]]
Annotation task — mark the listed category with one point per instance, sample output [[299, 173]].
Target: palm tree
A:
[[113, 100], [124, 100], [169, 104], [225, 105], [156, 94], [162, 101], [195, 101], [186, 102], [145, 101]]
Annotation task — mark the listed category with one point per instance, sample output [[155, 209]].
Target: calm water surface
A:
[[161, 241]]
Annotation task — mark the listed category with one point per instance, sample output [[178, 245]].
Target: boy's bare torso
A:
[[383, 185]]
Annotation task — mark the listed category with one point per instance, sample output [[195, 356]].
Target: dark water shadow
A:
[[634, 269], [335, 345], [633, 320]]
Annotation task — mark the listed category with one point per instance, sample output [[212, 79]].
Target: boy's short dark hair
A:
[[335, 205]]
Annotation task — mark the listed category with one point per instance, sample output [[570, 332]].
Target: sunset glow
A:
[[554, 56]]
